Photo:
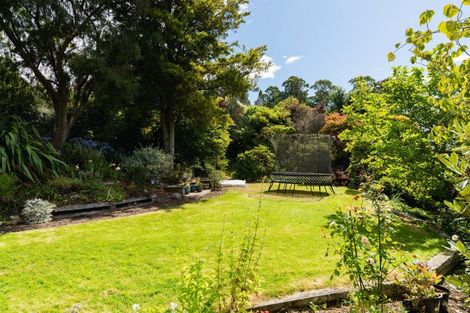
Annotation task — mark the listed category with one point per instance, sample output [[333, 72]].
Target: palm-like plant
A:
[[24, 153]]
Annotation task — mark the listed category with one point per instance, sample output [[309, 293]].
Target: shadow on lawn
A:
[[298, 194], [411, 237], [414, 237], [179, 205]]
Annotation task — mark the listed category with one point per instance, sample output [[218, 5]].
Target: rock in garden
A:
[[177, 196]]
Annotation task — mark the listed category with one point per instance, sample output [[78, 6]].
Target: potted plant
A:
[[193, 186], [198, 186], [423, 294], [187, 188]]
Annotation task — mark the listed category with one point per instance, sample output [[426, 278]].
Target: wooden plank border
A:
[[443, 263]]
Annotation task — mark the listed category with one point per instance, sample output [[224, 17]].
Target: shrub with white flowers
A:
[[37, 211]]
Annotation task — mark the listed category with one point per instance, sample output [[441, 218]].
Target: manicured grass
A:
[[108, 265]]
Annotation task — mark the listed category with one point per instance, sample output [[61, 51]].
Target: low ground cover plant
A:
[[37, 211]]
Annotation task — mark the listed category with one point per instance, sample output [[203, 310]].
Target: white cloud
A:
[[294, 58], [245, 7], [271, 69], [461, 58]]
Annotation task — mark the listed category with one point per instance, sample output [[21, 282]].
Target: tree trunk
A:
[[168, 119], [62, 126]]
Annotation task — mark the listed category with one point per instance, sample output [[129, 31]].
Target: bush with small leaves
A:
[[147, 164], [254, 164], [37, 211]]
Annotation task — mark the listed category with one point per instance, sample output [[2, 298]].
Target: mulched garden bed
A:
[[164, 202]]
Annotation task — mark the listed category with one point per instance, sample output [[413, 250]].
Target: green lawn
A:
[[108, 265]]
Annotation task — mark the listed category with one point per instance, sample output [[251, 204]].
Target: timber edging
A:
[[442, 263]]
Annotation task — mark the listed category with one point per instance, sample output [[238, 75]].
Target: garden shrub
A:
[[335, 124], [147, 164], [8, 185], [37, 211], [66, 191], [254, 164], [84, 162], [24, 153]]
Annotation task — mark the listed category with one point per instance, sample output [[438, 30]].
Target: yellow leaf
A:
[[443, 28], [391, 56], [451, 10]]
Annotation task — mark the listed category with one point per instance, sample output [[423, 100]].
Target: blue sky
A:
[[331, 39]]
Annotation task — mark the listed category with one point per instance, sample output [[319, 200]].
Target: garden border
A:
[[442, 263]]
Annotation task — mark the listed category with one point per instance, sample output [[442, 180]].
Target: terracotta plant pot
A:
[[437, 304]]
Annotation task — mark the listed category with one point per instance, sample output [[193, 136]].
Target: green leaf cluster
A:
[[391, 139], [25, 154]]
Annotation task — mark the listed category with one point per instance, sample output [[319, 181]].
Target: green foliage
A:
[[18, 96], [270, 97], [254, 164], [365, 249], [49, 50], [203, 137], [37, 211], [256, 128], [419, 280], [207, 68], [296, 87], [66, 191], [147, 164], [391, 138], [449, 67], [228, 288], [8, 185], [85, 163], [24, 153], [328, 96]]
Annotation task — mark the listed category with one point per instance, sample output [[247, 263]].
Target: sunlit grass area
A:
[[108, 265]]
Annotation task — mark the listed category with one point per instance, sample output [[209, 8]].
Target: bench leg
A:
[[332, 189], [270, 185], [278, 187], [311, 190], [293, 190]]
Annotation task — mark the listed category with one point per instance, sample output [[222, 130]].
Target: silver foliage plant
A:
[[37, 211]]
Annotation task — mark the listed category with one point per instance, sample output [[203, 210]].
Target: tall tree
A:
[[368, 80], [296, 87], [54, 42], [338, 99], [186, 56], [270, 97], [322, 90]]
